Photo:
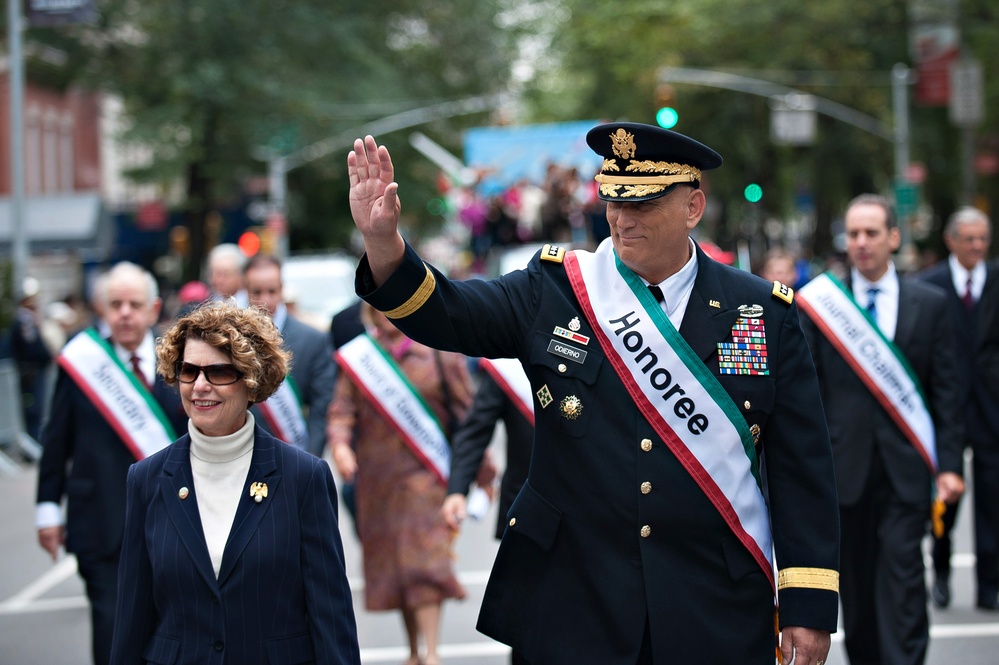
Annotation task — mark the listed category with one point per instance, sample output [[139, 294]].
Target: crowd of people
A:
[[701, 463]]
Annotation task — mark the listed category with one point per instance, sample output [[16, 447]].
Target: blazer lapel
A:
[[263, 469], [908, 315], [709, 316], [184, 512]]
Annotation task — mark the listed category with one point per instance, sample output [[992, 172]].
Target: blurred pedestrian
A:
[[225, 273], [967, 280], [883, 350], [190, 296], [503, 395], [296, 412], [110, 409], [779, 266], [388, 427], [231, 540], [31, 355], [671, 498]]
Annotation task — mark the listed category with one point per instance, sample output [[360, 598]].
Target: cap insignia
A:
[[669, 168], [610, 165], [623, 144]]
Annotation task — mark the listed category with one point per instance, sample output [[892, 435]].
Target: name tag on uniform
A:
[[567, 351]]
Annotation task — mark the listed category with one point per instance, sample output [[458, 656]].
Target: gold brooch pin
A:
[[571, 407], [183, 493], [258, 491]]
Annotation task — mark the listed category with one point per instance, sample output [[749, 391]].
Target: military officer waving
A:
[[680, 504]]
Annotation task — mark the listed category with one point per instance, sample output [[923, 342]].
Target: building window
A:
[[66, 164]]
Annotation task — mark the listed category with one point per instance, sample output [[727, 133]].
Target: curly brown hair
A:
[[245, 334]]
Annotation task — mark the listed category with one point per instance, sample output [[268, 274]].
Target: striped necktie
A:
[[872, 308]]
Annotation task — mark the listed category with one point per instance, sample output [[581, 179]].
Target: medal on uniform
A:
[[571, 407], [746, 354]]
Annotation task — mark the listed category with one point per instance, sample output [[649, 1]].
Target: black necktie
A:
[[657, 293], [138, 371]]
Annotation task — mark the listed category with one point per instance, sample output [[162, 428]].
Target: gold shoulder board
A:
[[552, 253], [785, 293]]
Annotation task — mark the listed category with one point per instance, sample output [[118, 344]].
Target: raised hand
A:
[[375, 206]]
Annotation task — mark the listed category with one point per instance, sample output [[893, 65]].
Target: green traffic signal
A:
[[753, 193], [667, 117]]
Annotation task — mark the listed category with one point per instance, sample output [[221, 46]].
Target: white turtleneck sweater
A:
[[219, 465]]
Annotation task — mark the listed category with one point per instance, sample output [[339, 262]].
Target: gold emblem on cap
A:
[[623, 144], [183, 493], [571, 407], [258, 491], [544, 396]]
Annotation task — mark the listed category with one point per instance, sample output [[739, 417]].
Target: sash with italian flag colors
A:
[[116, 392], [676, 392], [875, 359], [379, 378], [510, 377], [284, 415]]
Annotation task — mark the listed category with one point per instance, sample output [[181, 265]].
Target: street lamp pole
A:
[[15, 63]]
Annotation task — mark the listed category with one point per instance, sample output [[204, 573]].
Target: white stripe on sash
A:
[[676, 392], [284, 415], [381, 380], [116, 392], [509, 375], [877, 361]]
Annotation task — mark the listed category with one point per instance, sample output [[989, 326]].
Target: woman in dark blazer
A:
[[232, 551]]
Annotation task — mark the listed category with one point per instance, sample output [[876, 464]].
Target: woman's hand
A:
[[346, 462], [453, 510]]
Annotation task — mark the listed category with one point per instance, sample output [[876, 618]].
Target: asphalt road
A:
[[44, 620]]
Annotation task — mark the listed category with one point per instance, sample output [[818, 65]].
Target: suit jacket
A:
[[472, 437], [314, 372], [346, 325], [281, 595], [86, 461], [860, 428], [575, 580], [981, 409]]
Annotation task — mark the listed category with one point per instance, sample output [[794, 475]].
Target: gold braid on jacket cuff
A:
[[808, 578], [416, 300]]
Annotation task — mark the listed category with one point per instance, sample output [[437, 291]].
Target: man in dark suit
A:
[[968, 281], [312, 366], [89, 446], [643, 532], [884, 477], [468, 448]]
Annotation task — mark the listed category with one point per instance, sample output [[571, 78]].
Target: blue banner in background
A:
[[506, 155]]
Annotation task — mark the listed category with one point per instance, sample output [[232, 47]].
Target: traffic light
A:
[[666, 114], [249, 243], [753, 193]]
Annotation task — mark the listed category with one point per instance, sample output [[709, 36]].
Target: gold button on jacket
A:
[[646, 487], [646, 445], [646, 531]]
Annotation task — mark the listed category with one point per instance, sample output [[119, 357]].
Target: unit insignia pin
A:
[[571, 407], [258, 491], [755, 431], [751, 311], [574, 324], [545, 396]]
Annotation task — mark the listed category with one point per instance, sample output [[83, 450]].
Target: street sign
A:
[[792, 119], [906, 199], [966, 106]]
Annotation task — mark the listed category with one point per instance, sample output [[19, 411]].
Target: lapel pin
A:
[[258, 491], [183, 493], [714, 303]]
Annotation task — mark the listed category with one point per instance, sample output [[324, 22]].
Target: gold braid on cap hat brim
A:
[[643, 186]]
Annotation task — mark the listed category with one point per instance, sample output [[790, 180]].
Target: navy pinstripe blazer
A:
[[281, 595]]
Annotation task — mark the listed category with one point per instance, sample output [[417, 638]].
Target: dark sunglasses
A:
[[217, 375]]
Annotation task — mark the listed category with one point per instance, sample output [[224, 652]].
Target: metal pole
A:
[[19, 240], [277, 171], [900, 105]]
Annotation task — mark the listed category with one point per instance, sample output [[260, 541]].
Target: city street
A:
[[43, 615]]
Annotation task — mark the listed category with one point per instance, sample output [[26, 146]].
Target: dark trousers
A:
[[943, 546], [985, 469], [101, 578], [881, 577], [644, 656]]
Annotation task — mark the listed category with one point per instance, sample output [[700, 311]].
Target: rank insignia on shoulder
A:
[[784, 292], [552, 253]]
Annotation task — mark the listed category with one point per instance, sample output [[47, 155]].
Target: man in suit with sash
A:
[[295, 415], [109, 409], [672, 429], [968, 282], [883, 349]]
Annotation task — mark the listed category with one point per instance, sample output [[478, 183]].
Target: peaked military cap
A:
[[644, 162]]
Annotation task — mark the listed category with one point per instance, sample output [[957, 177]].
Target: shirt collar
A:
[[678, 285], [887, 284], [280, 316], [961, 274]]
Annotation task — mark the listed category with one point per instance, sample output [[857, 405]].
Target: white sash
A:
[[676, 393], [117, 393], [284, 415], [378, 376], [876, 360], [509, 375]]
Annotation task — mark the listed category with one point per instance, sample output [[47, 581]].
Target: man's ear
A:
[[696, 202]]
